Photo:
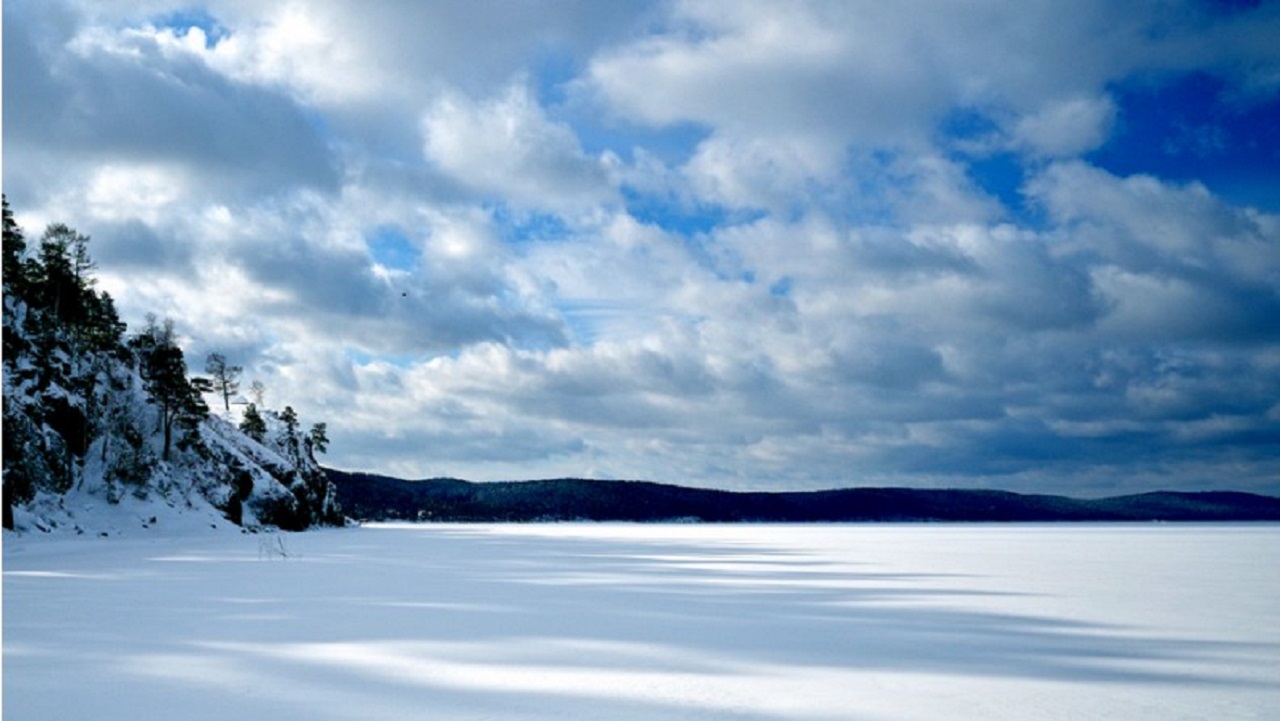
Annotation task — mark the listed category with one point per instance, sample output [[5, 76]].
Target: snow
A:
[[83, 512], [603, 621]]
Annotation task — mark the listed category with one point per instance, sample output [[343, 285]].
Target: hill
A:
[[372, 497], [104, 428]]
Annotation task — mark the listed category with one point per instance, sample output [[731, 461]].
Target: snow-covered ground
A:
[[585, 621]]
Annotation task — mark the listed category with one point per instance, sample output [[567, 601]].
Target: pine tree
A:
[[64, 280], [15, 249], [225, 378], [289, 439], [16, 285], [190, 413], [164, 372], [290, 418], [253, 425], [318, 438]]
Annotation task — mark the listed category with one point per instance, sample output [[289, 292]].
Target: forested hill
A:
[[371, 497], [103, 426]]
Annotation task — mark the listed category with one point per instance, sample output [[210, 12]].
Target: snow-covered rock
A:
[[104, 431]]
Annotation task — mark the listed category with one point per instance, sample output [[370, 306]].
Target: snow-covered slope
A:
[[104, 431], [241, 484]]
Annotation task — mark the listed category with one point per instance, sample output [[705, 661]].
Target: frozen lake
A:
[[585, 621]]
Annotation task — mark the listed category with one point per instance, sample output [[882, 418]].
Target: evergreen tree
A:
[[103, 330], [289, 439], [164, 372], [290, 418], [16, 286], [15, 249], [192, 411], [63, 279], [225, 378], [62, 283], [318, 438], [253, 425]]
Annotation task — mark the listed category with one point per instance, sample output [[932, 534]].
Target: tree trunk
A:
[[168, 432], [8, 507]]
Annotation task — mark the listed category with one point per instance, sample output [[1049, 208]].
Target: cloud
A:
[[125, 99], [747, 245], [322, 278], [861, 72], [508, 148], [135, 244], [1066, 128], [764, 70], [774, 173], [344, 53], [1175, 263]]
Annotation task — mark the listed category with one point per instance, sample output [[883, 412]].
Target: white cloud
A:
[[766, 69], [123, 192], [704, 242], [305, 47], [1066, 127], [1172, 262], [774, 173], [928, 188], [864, 72], [509, 148], [1140, 220], [341, 52]]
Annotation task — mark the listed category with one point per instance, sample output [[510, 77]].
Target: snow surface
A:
[[600, 621]]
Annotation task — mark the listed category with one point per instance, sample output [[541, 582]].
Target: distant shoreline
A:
[[370, 497]]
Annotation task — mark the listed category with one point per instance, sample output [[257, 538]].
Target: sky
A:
[[1031, 245]]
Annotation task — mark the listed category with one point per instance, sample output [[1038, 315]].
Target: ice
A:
[[604, 621]]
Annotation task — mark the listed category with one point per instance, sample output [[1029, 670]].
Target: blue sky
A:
[[753, 245]]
